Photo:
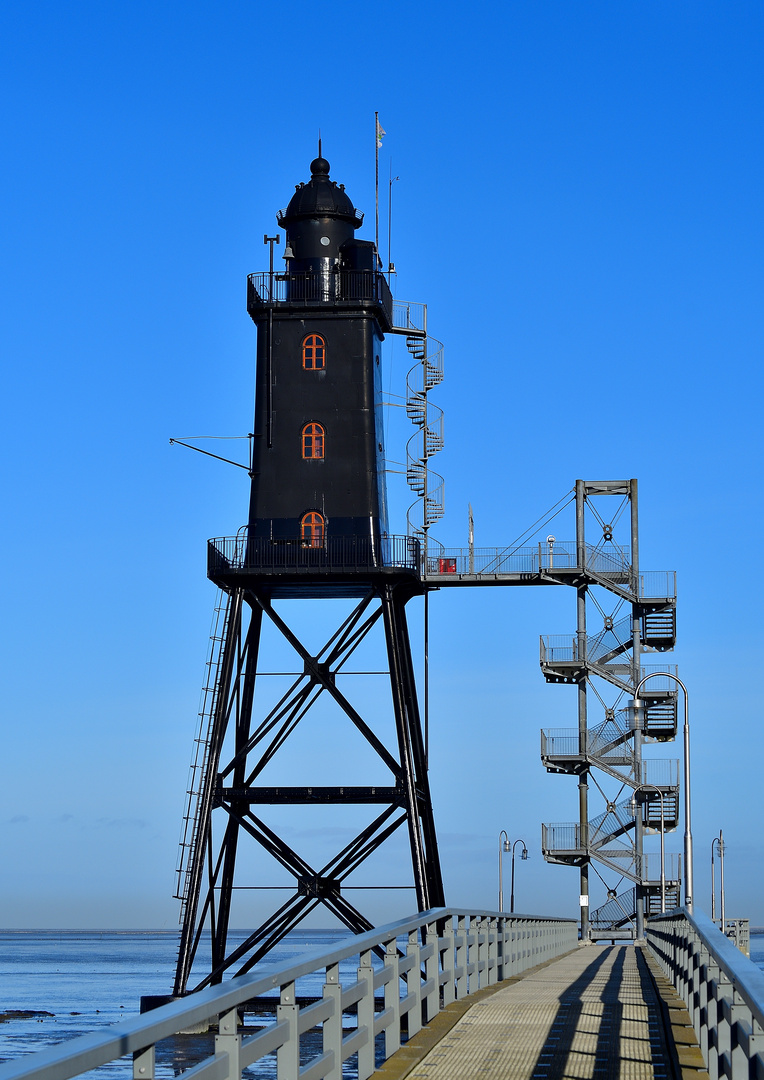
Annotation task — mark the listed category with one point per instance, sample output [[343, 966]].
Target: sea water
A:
[[78, 981]]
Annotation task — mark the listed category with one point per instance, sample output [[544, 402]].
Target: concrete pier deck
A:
[[599, 1013]]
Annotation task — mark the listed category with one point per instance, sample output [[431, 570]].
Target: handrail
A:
[[338, 286], [446, 954], [345, 554], [722, 988]]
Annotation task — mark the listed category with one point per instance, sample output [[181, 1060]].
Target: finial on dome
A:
[[319, 166]]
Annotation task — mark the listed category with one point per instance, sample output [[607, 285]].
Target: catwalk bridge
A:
[[456, 994]]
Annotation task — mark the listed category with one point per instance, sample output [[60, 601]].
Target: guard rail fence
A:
[[407, 972], [722, 988]]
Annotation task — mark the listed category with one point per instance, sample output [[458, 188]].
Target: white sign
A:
[[583, 901]]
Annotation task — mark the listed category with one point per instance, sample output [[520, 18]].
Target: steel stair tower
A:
[[604, 660]]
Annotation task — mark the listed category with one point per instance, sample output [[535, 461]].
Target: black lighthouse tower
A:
[[317, 530], [318, 430]]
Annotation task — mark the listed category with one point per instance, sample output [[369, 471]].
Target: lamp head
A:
[[635, 711], [524, 854]]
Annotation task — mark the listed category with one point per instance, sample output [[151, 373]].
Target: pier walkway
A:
[[599, 1013], [455, 994]]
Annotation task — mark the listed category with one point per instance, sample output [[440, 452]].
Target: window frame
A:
[[310, 342], [311, 520], [315, 439]]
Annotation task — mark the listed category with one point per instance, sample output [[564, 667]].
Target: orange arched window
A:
[[312, 441], [312, 529], [314, 353]]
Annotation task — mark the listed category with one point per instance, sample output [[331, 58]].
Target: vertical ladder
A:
[[199, 761]]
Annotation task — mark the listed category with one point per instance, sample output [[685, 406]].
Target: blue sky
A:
[[580, 206]]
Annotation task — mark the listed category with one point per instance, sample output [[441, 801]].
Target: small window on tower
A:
[[313, 441], [314, 353], [312, 529]]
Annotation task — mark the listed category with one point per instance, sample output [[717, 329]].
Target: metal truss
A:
[[237, 745]]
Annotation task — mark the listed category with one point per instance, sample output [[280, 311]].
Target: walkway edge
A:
[[416, 1049], [684, 1049]]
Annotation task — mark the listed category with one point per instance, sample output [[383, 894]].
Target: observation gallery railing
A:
[[338, 554], [338, 287], [722, 988], [418, 965]]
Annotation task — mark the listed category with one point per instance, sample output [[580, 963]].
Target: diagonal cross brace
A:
[[320, 676]]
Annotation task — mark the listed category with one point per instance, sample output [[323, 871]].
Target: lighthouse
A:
[[317, 529]]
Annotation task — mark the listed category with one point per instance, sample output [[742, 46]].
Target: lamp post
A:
[[688, 868], [634, 807], [503, 846], [524, 856], [718, 843]]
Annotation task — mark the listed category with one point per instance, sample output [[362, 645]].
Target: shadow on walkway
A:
[[596, 1024]]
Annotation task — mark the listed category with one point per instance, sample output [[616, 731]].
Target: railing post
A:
[[288, 1054], [738, 1011], [460, 957], [228, 1042], [392, 1000], [332, 1028], [520, 937], [707, 1011], [493, 951], [365, 1017], [480, 953], [724, 994], [510, 957], [414, 983], [432, 973], [697, 956], [501, 948], [448, 960], [755, 1047], [144, 1064]]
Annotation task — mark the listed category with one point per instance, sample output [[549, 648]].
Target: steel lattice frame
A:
[[231, 784]]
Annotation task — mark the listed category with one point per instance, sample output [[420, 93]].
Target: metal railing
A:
[[336, 554], [533, 559], [651, 866], [567, 648], [611, 640], [609, 740], [657, 583], [562, 648], [566, 743], [567, 838], [428, 961], [658, 682], [408, 315], [562, 837], [723, 991], [661, 772], [615, 912], [561, 742], [336, 286]]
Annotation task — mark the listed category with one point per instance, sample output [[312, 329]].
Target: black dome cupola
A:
[[320, 223], [320, 197]]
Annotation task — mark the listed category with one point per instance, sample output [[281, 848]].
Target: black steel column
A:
[[424, 849], [230, 842], [583, 776]]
